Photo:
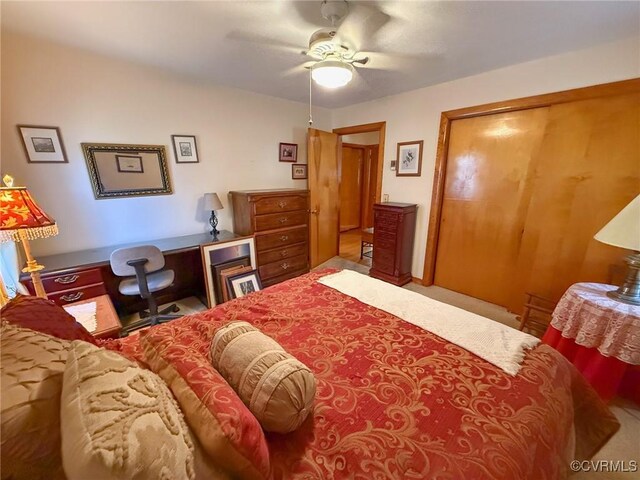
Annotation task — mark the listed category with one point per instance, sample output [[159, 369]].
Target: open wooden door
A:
[[324, 195]]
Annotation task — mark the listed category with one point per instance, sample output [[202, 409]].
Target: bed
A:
[[395, 401]]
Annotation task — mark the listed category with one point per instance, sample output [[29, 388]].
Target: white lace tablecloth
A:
[[588, 316]]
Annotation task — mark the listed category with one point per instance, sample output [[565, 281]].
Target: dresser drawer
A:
[[383, 260], [385, 239], [58, 282], [282, 267], [281, 238], [386, 222], [76, 294], [273, 280], [285, 203], [282, 253], [279, 220]]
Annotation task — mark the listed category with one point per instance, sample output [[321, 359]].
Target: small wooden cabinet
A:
[[279, 219], [394, 226]]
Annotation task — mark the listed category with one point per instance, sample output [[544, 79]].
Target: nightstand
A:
[[108, 323]]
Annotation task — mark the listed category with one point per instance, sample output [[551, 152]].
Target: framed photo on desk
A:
[[219, 256]]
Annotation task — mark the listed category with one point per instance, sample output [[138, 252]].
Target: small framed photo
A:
[[289, 152], [299, 172], [409, 163], [243, 284], [42, 144], [129, 164], [393, 165], [185, 149]]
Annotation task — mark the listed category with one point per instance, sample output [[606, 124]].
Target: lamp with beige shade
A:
[[24, 220], [213, 203], [624, 231]]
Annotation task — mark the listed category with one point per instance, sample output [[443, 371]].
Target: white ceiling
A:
[[255, 45]]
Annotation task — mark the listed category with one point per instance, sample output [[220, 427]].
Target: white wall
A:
[[99, 99], [415, 115]]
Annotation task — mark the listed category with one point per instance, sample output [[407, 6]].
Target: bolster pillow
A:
[[276, 387]]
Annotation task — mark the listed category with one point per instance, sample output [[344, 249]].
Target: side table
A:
[[108, 323], [601, 337]]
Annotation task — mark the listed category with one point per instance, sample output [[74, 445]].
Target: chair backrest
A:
[[120, 257]]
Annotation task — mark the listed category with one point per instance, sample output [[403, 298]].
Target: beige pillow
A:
[[278, 389], [120, 421], [31, 366]]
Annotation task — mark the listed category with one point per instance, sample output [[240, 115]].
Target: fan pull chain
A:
[[310, 116]]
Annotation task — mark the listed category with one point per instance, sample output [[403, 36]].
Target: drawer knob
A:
[[284, 238], [282, 204], [284, 253], [67, 279], [72, 297], [284, 220], [285, 265]]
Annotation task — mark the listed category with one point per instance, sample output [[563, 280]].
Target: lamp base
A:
[[629, 291], [213, 221]]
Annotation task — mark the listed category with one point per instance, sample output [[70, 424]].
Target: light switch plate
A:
[[385, 197]]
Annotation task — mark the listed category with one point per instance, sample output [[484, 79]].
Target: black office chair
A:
[[146, 263]]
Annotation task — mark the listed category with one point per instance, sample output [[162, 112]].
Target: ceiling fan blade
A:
[[393, 61], [259, 41], [361, 25], [298, 69], [307, 13]]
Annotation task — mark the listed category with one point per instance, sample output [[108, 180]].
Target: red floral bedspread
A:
[[394, 401]]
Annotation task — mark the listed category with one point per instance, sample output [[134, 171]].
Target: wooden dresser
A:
[[279, 219], [394, 226]]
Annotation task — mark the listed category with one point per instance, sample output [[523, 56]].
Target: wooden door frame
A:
[[536, 101], [381, 128]]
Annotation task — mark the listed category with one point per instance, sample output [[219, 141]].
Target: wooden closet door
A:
[[490, 167], [588, 169], [351, 187], [369, 183], [525, 192]]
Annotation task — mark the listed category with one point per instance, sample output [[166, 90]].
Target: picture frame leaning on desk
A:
[[219, 254]]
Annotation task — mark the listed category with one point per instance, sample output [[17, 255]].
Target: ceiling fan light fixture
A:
[[332, 73]]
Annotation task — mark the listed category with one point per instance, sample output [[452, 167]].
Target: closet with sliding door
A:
[[522, 186]]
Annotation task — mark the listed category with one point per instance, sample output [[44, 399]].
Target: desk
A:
[[600, 336], [68, 277]]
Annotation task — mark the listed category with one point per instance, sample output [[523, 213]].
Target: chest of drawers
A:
[[393, 232], [279, 220]]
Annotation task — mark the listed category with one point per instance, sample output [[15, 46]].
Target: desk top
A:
[[587, 316], [100, 256]]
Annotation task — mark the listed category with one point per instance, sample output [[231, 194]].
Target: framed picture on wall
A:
[[185, 149], [42, 144], [299, 172], [409, 160], [289, 152]]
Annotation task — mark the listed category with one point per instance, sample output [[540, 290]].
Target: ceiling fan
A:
[[333, 61]]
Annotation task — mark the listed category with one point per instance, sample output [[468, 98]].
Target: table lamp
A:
[[23, 220], [213, 203], [624, 231]]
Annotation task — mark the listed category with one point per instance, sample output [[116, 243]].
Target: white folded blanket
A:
[[496, 343]]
